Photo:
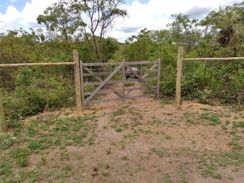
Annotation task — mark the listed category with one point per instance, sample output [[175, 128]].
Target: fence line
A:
[[35, 64], [180, 62], [77, 81], [214, 59]]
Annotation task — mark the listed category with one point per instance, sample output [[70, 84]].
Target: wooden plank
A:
[[90, 71], [214, 59], [141, 63], [77, 77], [101, 64], [96, 74], [104, 83], [82, 84], [158, 80], [152, 68], [35, 64], [3, 125], [179, 76], [140, 78], [100, 79], [128, 81], [118, 63]]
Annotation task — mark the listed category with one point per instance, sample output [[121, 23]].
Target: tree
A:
[[185, 31], [226, 25], [139, 47], [61, 18], [84, 17]]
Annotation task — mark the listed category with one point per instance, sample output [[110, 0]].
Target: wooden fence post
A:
[[179, 75], [158, 81], [82, 84], [3, 126], [77, 77], [124, 81]]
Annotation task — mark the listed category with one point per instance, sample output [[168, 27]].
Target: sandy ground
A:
[[145, 140]]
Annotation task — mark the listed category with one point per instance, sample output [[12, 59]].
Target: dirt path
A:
[[143, 140]]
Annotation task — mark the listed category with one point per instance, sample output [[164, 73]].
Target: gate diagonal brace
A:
[[144, 76], [140, 78], [152, 68], [104, 83], [101, 80]]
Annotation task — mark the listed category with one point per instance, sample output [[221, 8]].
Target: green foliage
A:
[[221, 36], [28, 91]]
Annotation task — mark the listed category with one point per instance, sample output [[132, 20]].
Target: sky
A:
[[150, 14]]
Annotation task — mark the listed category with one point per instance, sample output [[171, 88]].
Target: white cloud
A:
[[14, 19], [156, 14], [153, 15]]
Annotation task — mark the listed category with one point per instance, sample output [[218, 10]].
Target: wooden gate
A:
[[119, 79]]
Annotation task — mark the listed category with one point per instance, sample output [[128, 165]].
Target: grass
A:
[[46, 149], [206, 118], [168, 179], [211, 118], [20, 155], [38, 138], [210, 162], [125, 158], [159, 152], [119, 119], [238, 124]]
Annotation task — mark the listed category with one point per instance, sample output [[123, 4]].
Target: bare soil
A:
[[146, 140]]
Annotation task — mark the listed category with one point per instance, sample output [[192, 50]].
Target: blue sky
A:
[[19, 4], [150, 14]]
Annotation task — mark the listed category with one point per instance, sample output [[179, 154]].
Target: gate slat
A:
[[104, 83], [140, 78]]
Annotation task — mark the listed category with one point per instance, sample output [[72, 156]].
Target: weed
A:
[[21, 156], [235, 145], [125, 158], [209, 163], [43, 160], [119, 112], [211, 118], [33, 175], [119, 130], [6, 141], [191, 118], [168, 179], [64, 156], [159, 152], [37, 145], [155, 121], [238, 125], [181, 174], [5, 167]]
